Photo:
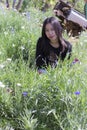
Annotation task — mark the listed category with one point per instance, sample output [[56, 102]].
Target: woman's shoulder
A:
[[67, 42], [39, 39], [40, 43], [69, 45]]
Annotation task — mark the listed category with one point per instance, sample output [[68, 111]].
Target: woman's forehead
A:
[[49, 25]]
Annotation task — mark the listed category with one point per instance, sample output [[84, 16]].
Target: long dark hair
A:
[[58, 30]]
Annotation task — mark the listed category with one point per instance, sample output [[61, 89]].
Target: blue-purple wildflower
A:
[[75, 61], [25, 94], [77, 93]]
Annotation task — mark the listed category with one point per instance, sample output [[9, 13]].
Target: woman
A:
[[51, 46]]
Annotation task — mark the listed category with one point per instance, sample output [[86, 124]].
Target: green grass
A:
[[56, 100]]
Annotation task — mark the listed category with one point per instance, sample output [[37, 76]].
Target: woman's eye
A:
[[52, 29], [46, 30], [49, 30]]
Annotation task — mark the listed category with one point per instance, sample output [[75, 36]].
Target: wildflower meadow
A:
[[55, 100]]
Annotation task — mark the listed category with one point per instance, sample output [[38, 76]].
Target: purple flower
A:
[[25, 94], [75, 61], [77, 92]]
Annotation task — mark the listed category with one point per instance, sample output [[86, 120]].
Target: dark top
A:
[[49, 55]]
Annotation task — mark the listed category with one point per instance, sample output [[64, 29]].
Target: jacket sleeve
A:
[[40, 59]]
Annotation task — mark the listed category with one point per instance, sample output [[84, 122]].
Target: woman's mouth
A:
[[51, 36]]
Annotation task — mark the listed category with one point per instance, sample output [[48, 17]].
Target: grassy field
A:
[[30, 101]]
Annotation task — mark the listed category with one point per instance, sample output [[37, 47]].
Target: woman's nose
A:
[[50, 32]]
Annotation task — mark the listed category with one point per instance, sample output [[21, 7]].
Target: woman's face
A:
[[50, 32]]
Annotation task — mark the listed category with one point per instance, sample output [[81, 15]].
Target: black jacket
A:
[[49, 55]]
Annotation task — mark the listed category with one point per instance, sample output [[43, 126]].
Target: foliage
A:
[[46, 4], [30, 101]]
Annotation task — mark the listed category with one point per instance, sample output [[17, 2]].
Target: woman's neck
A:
[[54, 43]]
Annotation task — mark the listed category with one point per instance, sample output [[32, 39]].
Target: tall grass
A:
[[30, 101]]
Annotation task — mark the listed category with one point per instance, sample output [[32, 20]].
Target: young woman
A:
[[51, 46]]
